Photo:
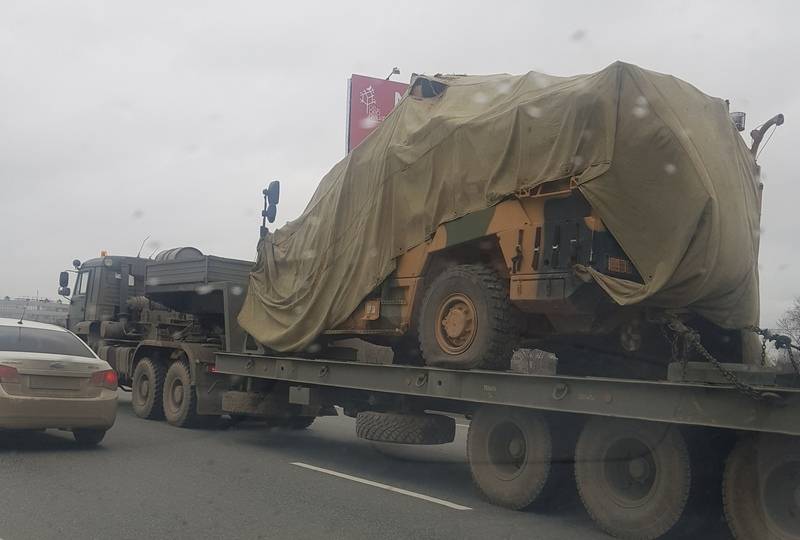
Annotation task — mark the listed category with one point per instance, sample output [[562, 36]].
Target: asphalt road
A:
[[150, 480]]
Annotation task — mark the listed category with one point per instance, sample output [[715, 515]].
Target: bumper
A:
[[23, 412]]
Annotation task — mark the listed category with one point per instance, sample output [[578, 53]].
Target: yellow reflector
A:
[[619, 266]]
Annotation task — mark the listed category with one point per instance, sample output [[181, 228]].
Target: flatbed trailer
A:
[[649, 457]]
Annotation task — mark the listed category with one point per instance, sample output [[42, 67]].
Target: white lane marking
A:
[[401, 491], [462, 425]]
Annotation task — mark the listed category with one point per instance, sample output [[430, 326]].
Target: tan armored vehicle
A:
[[574, 213]]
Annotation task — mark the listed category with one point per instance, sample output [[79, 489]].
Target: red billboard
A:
[[369, 101]]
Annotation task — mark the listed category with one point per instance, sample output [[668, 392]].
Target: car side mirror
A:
[[63, 279], [64, 291]]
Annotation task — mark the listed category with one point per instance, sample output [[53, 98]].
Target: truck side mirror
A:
[[270, 213], [63, 279], [273, 192], [76, 263], [64, 291]]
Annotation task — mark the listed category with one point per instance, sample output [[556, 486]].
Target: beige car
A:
[[49, 378]]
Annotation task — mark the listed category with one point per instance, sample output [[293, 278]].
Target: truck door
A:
[[77, 307]]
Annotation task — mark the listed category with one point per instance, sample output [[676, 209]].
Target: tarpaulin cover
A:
[[660, 161]]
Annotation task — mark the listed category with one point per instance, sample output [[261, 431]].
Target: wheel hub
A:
[[781, 498], [457, 324], [507, 450], [630, 471], [177, 394], [144, 389], [638, 469]]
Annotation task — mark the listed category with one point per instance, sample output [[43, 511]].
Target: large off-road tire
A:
[[88, 438], [180, 398], [467, 321], [761, 488], [147, 388], [405, 428], [510, 452], [633, 477]]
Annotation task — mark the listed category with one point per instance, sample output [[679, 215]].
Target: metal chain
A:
[[781, 342], [692, 339]]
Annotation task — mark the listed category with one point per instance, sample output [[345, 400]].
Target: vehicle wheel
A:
[[88, 437], [180, 400], [633, 477], [404, 428], [300, 422], [509, 452], [761, 488], [467, 321], [146, 389]]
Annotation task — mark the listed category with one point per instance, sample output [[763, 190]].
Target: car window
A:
[[39, 340]]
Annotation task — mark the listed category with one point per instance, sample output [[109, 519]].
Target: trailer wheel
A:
[[509, 452], [146, 389], [405, 428], [761, 488], [467, 320], [180, 400], [633, 477]]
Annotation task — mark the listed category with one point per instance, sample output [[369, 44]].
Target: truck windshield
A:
[[39, 340]]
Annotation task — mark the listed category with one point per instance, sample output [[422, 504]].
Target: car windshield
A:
[[40, 340]]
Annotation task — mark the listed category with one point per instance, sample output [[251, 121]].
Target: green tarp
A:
[[660, 161]]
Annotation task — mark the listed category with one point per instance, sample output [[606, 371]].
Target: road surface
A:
[[150, 480]]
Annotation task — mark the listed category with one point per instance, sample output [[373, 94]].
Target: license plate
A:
[[55, 383]]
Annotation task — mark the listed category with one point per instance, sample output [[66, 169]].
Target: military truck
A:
[[573, 214], [159, 322]]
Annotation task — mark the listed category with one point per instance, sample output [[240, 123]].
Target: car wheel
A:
[[88, 437]]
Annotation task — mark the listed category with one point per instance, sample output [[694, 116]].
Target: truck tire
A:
[[180, 399], [633, 477], [509, 452], [467, 321], [146, 389], [88, 438], [405, 428], [760, 489]]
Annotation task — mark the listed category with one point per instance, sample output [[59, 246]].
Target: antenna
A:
[[24, 309], [142, 246]]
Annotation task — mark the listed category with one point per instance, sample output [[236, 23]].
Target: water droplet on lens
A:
[[533, 111]]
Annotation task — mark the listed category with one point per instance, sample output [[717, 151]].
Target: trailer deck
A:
[[687, 403]]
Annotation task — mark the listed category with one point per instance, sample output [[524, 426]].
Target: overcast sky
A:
[[120, 120]]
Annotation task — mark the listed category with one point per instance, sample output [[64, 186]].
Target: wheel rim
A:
[[143, 389], [630, 472], [507, 450], [781, 498], [176, 395], [457, 324]]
